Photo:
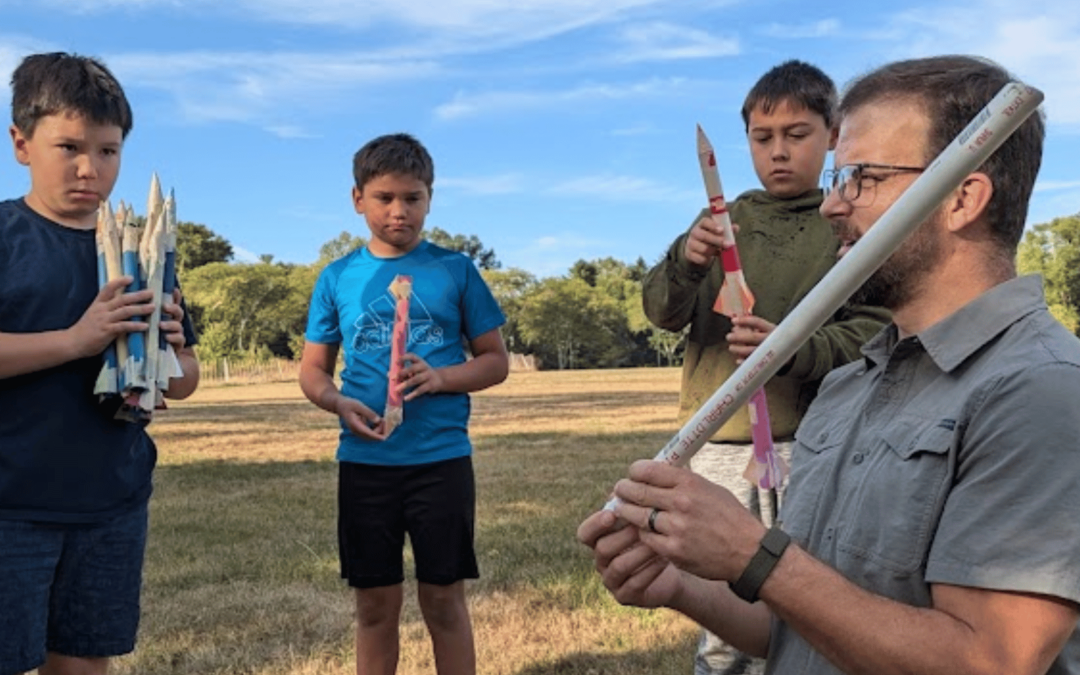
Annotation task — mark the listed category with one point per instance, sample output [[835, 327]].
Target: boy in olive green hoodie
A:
[[786, 247]]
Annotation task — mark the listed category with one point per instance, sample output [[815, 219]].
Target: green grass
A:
[[241, 572]]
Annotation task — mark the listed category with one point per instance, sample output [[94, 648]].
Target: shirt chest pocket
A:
[[814, 461], [898, 500]]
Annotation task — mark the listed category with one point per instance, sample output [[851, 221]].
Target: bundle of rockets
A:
[[138, 366]]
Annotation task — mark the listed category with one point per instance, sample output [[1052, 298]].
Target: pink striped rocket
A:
[[766, 468], [401, 289]]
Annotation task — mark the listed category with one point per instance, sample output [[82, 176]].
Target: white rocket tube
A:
[[985, 134]]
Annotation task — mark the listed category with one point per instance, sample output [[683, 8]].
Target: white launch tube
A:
[[982, 136]]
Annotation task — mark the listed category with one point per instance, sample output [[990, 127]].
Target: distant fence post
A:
[[522, 361], [248, 371]]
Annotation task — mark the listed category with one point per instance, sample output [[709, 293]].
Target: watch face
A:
[[761, 565], [775, 541]]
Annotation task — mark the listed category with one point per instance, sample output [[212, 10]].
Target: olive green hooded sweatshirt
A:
[[786, 247]]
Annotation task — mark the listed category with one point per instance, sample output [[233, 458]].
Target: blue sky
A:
[[561, 129]]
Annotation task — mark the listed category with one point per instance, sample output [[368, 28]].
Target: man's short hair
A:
[[58, 83], [798, 83], [953, 90], [393, 153]]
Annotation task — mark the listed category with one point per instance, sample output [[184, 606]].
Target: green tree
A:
[[242, 307], [198, 245], [596, 272], [666, 344], [638, 270], [471, 246], [622, 283], [339, 247], [1053, 250], [509, 287], [585, 270], [571, 323], [292, 312]]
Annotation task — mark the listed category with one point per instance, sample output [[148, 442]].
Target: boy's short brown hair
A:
[[393, 153], [57, 82], [797, 82]]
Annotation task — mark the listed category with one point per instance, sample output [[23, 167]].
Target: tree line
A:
[[591, 317], [1053, 250]]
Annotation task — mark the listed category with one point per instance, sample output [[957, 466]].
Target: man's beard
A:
[[896, 282]]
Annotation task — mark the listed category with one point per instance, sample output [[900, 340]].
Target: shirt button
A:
[[858, 458], [823, 437]]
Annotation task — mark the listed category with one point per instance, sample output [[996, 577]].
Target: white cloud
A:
[[471, 105], [621, 188], [567, 241], [1064, 202], [1054, 199], [663, 41], [817, 29], [289, 131], [307, 214], [484, 185], [1053, 185], [462, 21], [553, 254], [1039, 40], [242, 255], [635, 130], [13, 48], [259, 86]]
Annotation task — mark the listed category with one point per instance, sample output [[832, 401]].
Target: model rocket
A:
[[766, 468], [1003, 115], [401, 289], [108, 268], [168, 365]]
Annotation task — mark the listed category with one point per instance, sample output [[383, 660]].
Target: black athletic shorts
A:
[[434, 503]]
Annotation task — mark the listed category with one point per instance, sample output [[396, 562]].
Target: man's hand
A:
[[631, 571], [109, 316], [700, 527]]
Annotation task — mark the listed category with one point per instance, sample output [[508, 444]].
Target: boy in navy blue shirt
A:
[[415, 478], [74, 481]]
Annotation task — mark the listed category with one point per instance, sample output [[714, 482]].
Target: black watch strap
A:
[[761, 565]]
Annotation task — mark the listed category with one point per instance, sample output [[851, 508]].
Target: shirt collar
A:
[[956, 337]]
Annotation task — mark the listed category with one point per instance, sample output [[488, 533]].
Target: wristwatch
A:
[[761, 565]]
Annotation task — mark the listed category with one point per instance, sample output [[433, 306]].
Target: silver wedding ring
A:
[[652, 519]]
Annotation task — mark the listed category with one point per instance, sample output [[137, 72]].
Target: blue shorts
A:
[[69, 589], [434, 503]]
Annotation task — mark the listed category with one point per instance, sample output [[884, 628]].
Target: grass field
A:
[[242, 571]]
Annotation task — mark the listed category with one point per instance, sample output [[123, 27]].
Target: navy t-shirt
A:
[[63, 457]]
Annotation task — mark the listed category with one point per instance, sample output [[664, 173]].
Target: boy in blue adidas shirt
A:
[[417, 478]]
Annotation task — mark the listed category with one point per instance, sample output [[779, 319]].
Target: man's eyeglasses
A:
[[848, 180]]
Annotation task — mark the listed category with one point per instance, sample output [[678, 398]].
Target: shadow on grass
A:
[[675, 659], [241, 572]]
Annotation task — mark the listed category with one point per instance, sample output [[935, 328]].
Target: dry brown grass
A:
[[242, 567]]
